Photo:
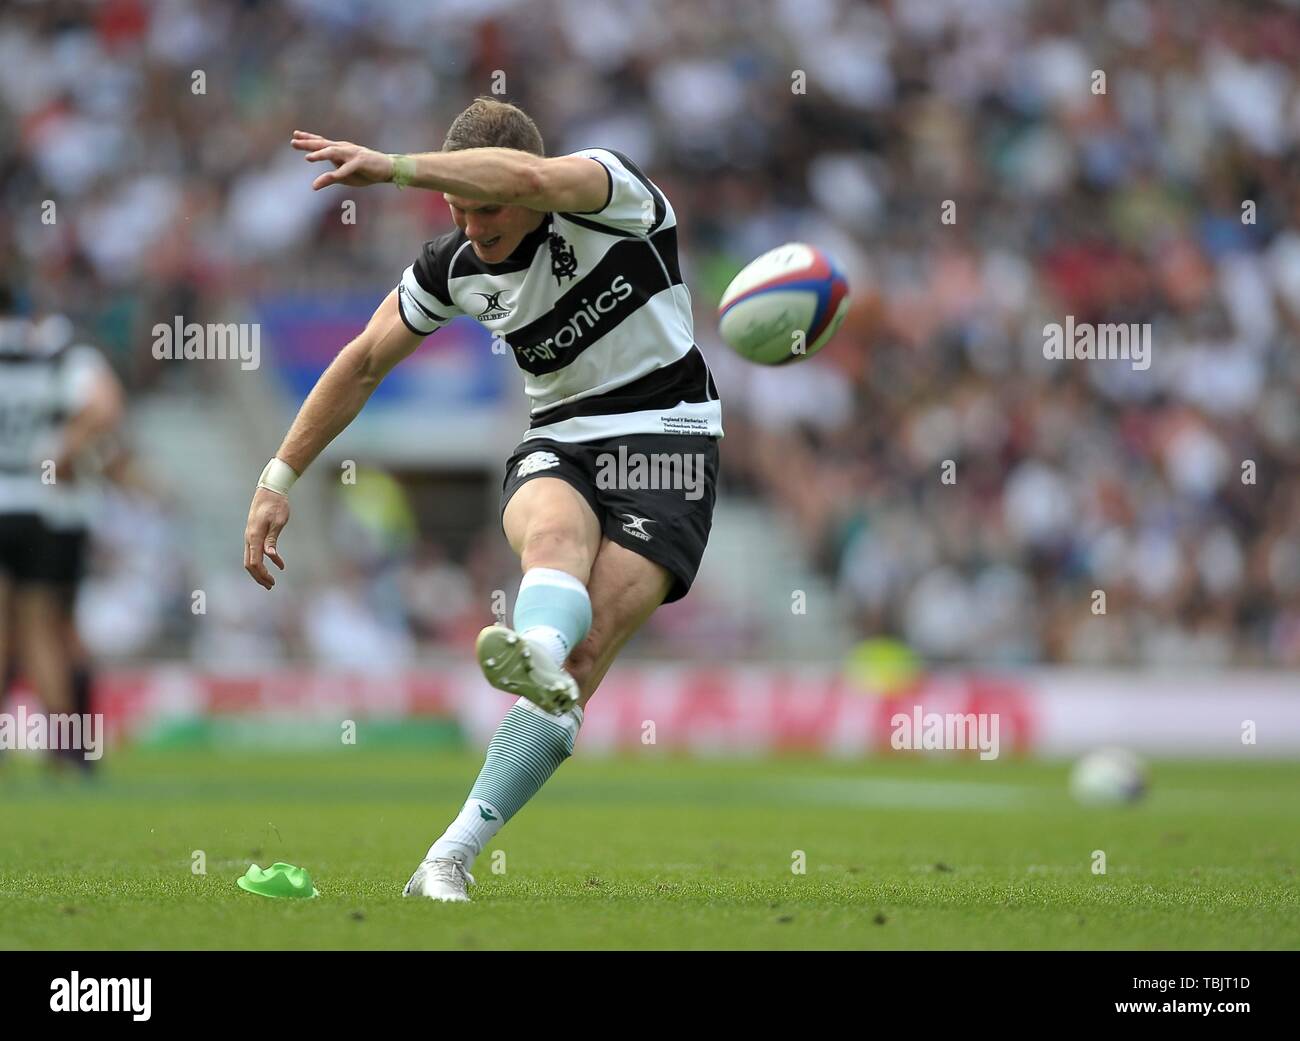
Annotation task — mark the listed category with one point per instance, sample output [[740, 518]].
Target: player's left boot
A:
[[518, 666], [442, 879]]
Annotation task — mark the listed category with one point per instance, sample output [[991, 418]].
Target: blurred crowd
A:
[[963, 161]]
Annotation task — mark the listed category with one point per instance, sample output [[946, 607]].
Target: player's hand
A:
[[266, 519], [354, 166]]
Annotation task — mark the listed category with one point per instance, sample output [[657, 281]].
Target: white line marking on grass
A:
[[908, 795]]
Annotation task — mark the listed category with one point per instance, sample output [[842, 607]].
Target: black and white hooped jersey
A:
[[594, 309], [41, 387]]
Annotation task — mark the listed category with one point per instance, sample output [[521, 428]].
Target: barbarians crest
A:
[[564, 262]]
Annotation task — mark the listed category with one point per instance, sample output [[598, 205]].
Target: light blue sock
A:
[[553, 610]]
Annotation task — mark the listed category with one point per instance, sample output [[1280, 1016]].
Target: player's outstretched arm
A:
[[332, 404], [354, 165], [567, 184]]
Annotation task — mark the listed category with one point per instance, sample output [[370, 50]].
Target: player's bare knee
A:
[[555, 542]]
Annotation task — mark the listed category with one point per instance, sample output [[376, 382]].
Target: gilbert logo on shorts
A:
[[535, 461], [636, 526]]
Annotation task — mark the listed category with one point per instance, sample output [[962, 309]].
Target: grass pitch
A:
[[649, 853]]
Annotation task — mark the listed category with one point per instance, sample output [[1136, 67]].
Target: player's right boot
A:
[[519, 666]]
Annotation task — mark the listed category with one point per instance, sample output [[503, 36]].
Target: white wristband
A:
[[278, 476]]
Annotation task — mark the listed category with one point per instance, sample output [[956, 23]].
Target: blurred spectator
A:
[[1172, 198]]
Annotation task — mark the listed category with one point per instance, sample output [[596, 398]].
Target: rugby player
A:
[[572, 261], [58, 399]]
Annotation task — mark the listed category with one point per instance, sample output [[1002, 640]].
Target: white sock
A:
[[474, 827], [549, 639]]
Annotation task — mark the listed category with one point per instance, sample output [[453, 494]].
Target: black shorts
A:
[[22, 547], [65, 552], [651, 493], [31, 552]]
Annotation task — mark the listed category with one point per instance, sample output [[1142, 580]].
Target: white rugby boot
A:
[[442, 879], [519, 666]]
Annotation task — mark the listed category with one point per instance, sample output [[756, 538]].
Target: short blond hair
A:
[[489, 123]]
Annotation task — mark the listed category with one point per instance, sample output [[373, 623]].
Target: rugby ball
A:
[[1108, 777], [784, 306]]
